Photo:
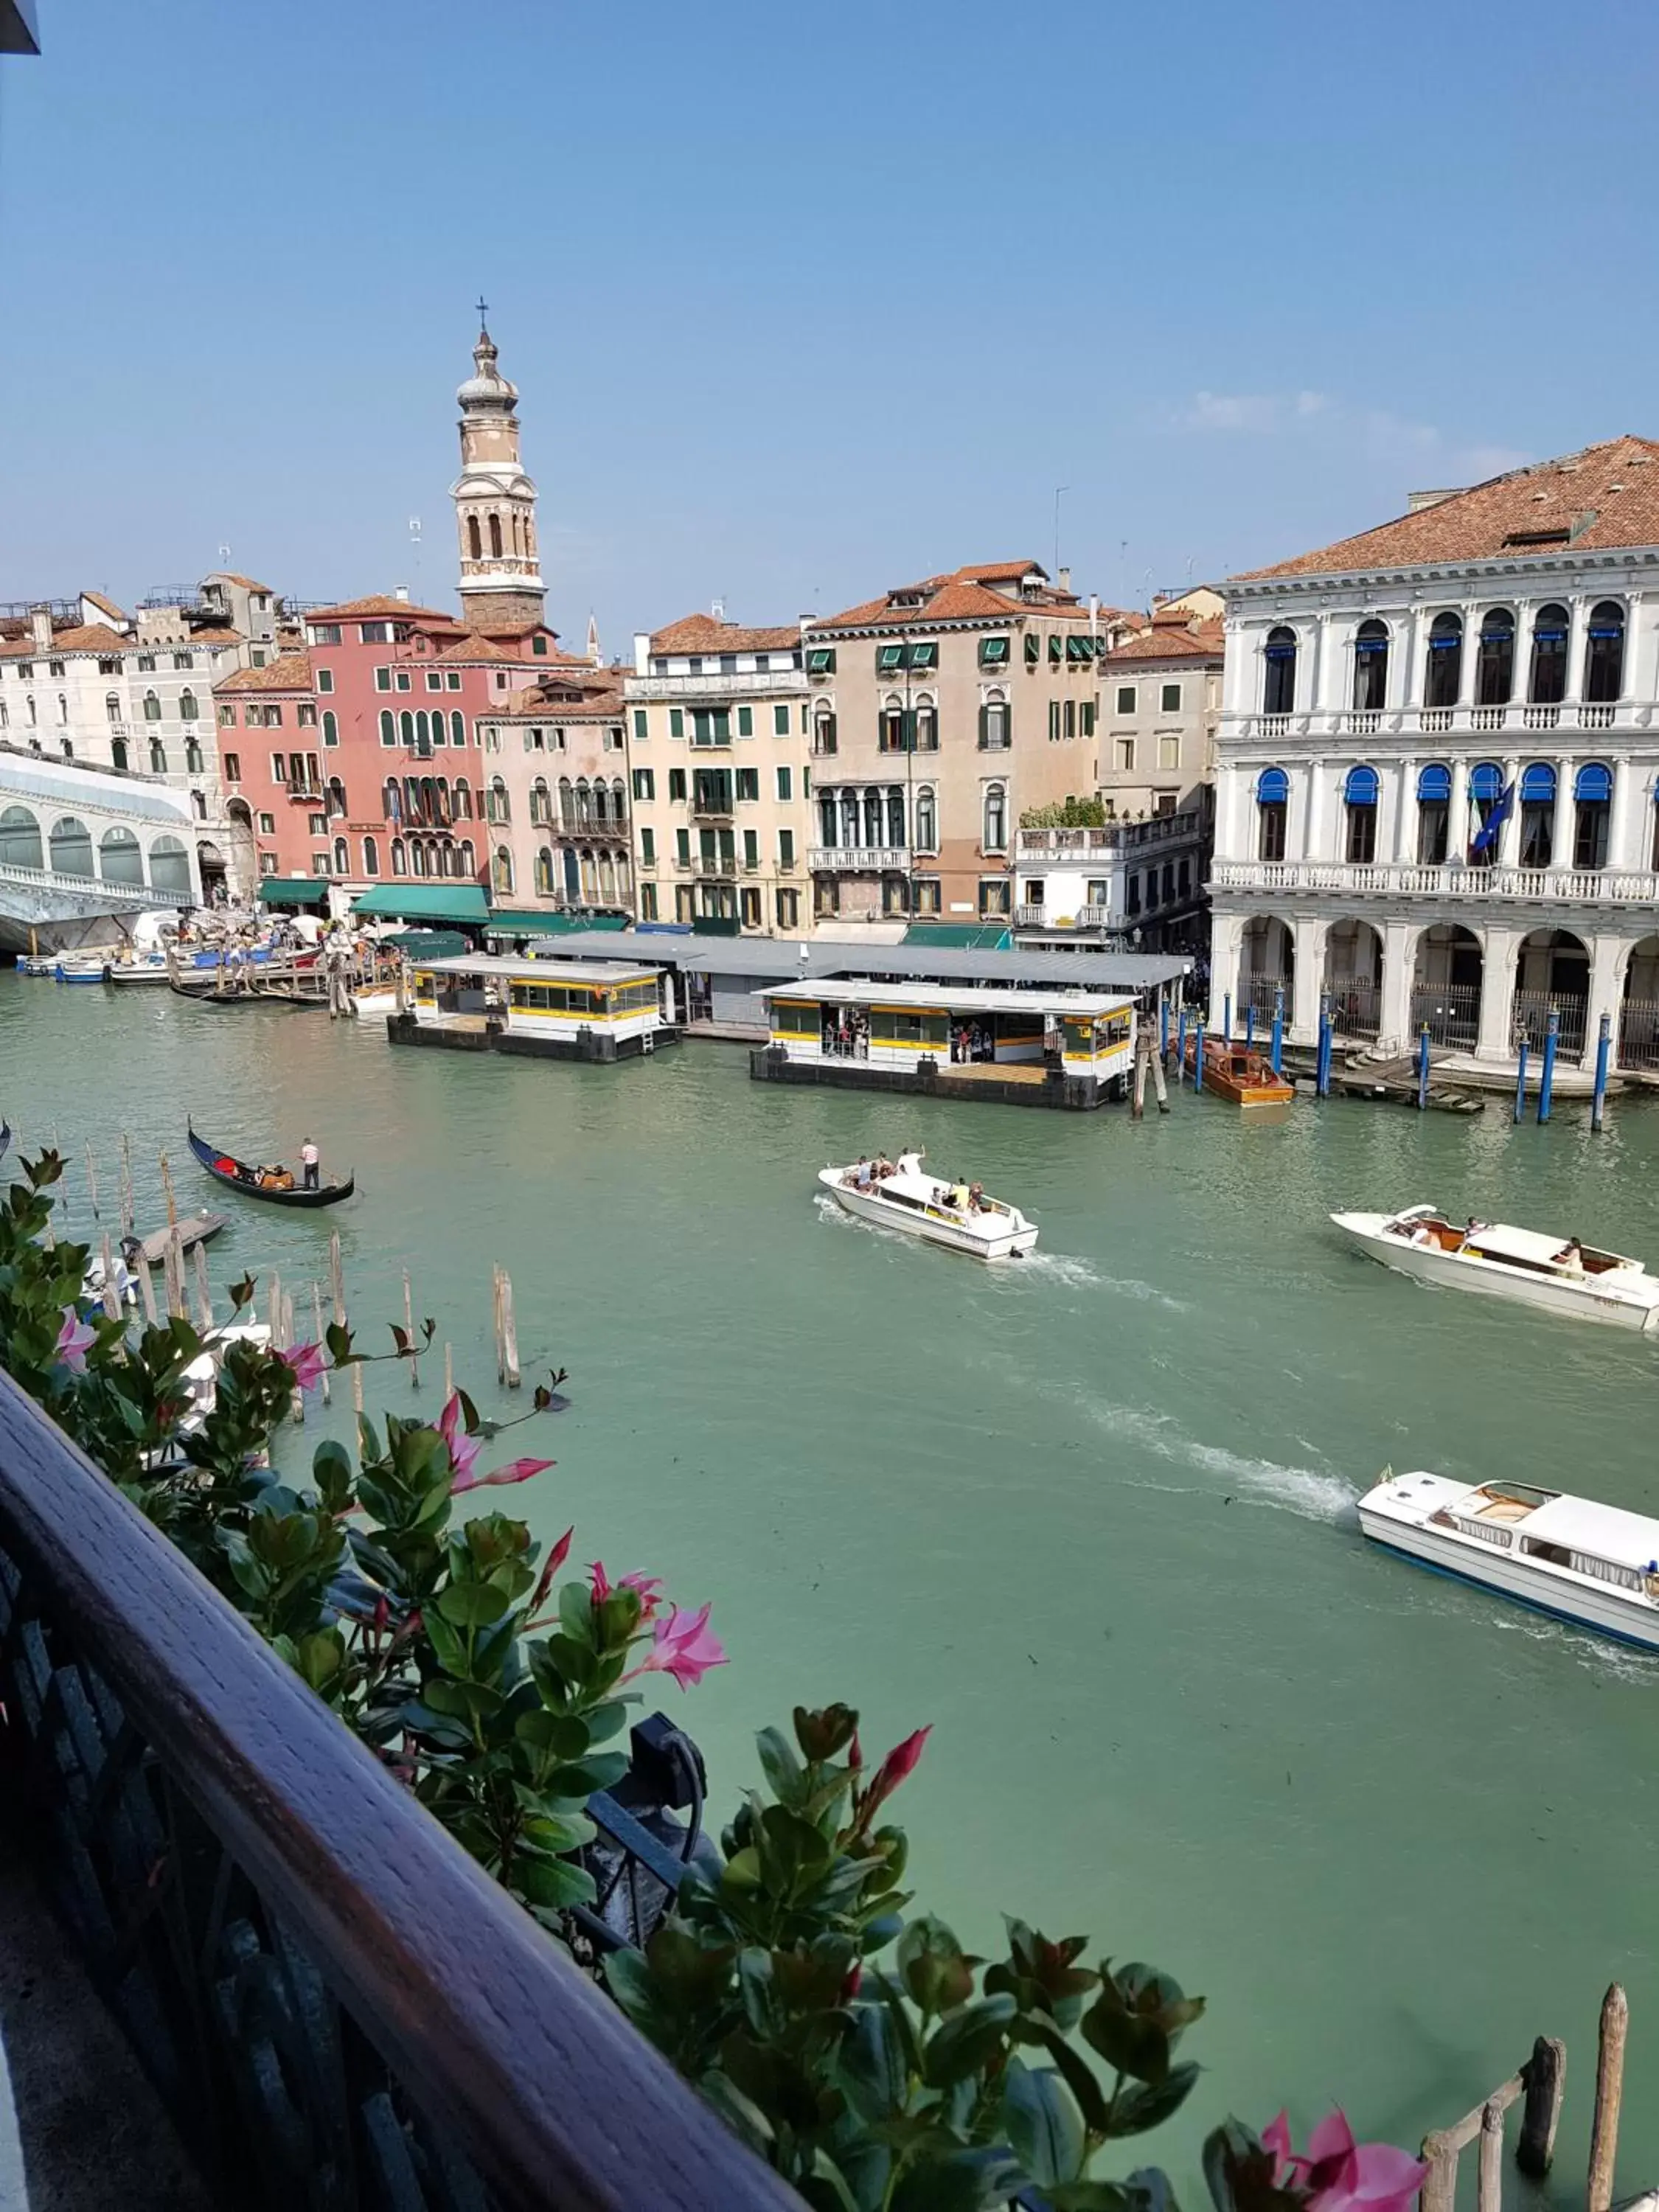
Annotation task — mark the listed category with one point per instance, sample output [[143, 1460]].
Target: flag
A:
[[1485, 837]]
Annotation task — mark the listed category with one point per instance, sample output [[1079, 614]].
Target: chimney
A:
[[1416, 500], [41, 627], [401, 592], [1065, 580], [641, 653]]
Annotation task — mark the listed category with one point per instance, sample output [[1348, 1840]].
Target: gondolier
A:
[[275, 1184], [309, 1161]]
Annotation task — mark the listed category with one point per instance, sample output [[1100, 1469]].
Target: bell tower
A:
[[501, 583]]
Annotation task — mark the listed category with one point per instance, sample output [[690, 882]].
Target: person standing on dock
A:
[[310, 1160]]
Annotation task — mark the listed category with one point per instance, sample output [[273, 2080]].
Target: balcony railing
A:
[[1040, 917], [859, 860], [1410, 723], [711, 807], [609, 827], [747, 684], [334, 2000], [1115, 837], [717, 864], [1385, 880]]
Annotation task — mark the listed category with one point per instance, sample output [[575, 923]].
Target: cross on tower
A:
[[483, 310]]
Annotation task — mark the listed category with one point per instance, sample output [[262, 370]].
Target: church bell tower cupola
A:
[[501, 585]]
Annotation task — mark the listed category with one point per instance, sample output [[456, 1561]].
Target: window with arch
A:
[[187, 708], [1273, 798], [1486, 789], [462, 805], [474, 543], [371, 857], [195, 760], [544, 885], [406, 726], [63, 708], [893, 733], [113, 708], [926, 726], [1604, 654], [823, 731], [198, 805], [1434, 789], [1359, 797], [418, 856], [872, 817], [457, 728], [1592, 808], [118, 752], [995, 825], [152, 707], [388, 727], [541, 801], [331, 728], [494, 537], [158, 758], [849, 817], [341, 858], [1279, 690], [993, 723], [500, 869], [895, 815], [120, 857], [423, 730], [1537, 796], [399, 857], [336, 796], [499, 807], [20, 839], [169, 865], [1494, 663], [927, 819], [1442, 678], [1547, 686], [1370, 665], [469, 862]]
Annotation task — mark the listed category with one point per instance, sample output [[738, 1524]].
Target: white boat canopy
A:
[[967, 998], [1579, 1524], [1500, 1242]]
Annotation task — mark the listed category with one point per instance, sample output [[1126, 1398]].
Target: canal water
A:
[[1091, 1517]]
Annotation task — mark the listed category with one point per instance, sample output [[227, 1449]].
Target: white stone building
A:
[[1437, 767]]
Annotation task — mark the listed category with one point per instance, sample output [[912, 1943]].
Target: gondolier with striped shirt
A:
[[310, 1161]]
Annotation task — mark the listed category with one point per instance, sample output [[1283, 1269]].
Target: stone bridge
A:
[[84, 851]]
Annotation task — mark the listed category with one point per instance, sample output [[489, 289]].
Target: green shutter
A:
[[722, 726], [786, 848], [639, 726], [780, 721], [751, 849], [676, 722], [745, 722], [681, 844], [984, 727], [647, 845], [677, 783], [1033, 648], [783, 783]]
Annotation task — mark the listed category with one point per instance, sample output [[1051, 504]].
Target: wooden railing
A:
[[339, 2006]]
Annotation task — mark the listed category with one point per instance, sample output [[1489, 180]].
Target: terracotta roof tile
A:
[[601, 700], [105, 606], [707, 634], [381, 604], [1604, 497], [962, 595], [474, 646], [80, 637], [248, 583], [291, 673], [1167, 643], [214, 637]]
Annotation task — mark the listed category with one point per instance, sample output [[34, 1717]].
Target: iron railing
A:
[[1531, 1017], [342, 2010], [1638, 1033], [1356, 1005], [1449, 1011]]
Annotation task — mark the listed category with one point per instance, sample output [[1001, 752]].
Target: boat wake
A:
[[1307, 1490]]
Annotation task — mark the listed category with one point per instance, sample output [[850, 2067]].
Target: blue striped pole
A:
[[1163, 1027], [1198, 1055], [1322, 1064], [1279, 1028], [1249, 1024], [1521, 1077], [1599, 1098], [1181, 1048], [1423, 1069], [1227, 1018], [1546, 1079]]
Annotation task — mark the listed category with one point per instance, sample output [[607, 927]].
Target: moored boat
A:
[[1559, 1274], [1240, 1074], [906, 1198], [1596, 1566]]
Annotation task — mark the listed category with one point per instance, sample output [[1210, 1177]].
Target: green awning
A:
[[294, 891], [510, 922], [965, 936], [426, 902]]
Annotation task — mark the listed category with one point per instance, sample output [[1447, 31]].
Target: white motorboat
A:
[[1596, 1566], [906, 1197], [1555, 1272]]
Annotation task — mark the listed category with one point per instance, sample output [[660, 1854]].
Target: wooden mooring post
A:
[[167, 1185], [409, 1329], [317, 1332], [506, 1332], [1609, 2093], [1540, 2082], [126, 1184]]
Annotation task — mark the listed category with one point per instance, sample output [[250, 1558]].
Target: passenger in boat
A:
[[276, 1178], [959, 1196], [976, 1197], [1570, 1258], [1422, 1234], [863, 1174]]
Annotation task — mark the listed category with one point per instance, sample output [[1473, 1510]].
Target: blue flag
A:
[[1485, 837]]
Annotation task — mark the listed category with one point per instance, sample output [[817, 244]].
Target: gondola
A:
[[5, 1138], [225, 1168]]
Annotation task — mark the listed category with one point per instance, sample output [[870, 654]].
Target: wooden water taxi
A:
[[906, 1198], [1557, 1273], [1240, 1074], [1595, 1565]]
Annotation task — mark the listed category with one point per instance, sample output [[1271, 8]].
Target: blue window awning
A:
[[1485, 781], [1594, 781], [1538, 784], [1272, 787], [1434, 784], [1370, 644], [1282, 652], [1359, 786]]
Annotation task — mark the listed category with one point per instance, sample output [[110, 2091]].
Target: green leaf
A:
[[604, 1721], [1080, 2077], [559, 1734], [965, 2041], [1042, 2124], [576, 1613], [780, 1766], [934, 1967], [957, 2181], [473, 1605], [552, 1883], [871, 2064], [1128, 2041], [1143, 2106]]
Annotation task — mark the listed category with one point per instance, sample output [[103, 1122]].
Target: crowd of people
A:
[[868, 1175]]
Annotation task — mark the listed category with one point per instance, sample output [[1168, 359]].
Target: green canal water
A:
[[1091, 1517]]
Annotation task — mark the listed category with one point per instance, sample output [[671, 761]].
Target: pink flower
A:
[[555, 1560], [75, 1340], [601, 1582], [900, 1763], [649, 1590], [462, 1448], [308, 1362], [684, 1646], [516, 1470], [1341, 2175]]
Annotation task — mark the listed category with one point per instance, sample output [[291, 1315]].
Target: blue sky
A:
[[804, 303]]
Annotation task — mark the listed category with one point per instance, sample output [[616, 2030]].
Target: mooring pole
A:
[[1278, 1054], [1598, 1099], [1423, 1069], [1249, 1024], [1163, 1027], [1198, 1055], [1227, 1018], [1521, 1077], [1547, 1075], [1181, 1048], [1322, 1063], [1609, 2091]]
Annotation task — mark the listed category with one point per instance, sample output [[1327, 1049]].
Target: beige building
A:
[[938, 713], [1160, 707], [553, 795], [717, 745]]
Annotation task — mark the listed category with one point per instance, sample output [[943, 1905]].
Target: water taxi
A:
[[1240, 1074], [1595, 1565], [1555, 1272], [906, 1198]]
